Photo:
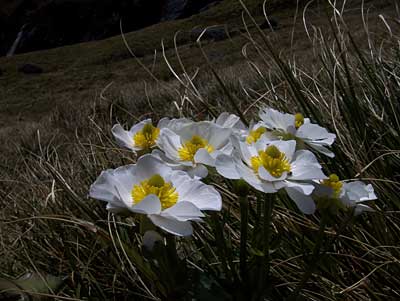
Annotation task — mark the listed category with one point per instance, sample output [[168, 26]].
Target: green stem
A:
[[259, 208], [265, 259], [315, 258], [171, 250], [244, 214], [221, 244]]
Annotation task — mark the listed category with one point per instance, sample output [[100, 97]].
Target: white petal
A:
[[304, 188], [172, 226], [279, 184], [215, 135], [197, 172], [304, 203], [223, 117], [252, 179], [162, 157], [203, 156], [114, 185], [314, 132], [183, 211], [267, 187], [228, 120], [287, 147], [202, 129], [227, 149], [307, 173], [170, 143], [371, 193], [139, 126], [149, 165], [274, 119], [226, 167], [219, 137], [149, 205], [163, 122], [123, 137], [204, 197], [103, 188], [305, 166], [316, 137], [173, 124], [321, 149], [247, 151], [357, 191]]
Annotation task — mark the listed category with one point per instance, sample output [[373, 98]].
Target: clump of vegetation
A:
[[250, 249]]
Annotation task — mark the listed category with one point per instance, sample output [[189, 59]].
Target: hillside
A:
[[77, 73]]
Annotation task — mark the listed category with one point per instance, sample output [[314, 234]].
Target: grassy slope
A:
[[74, 71], [79, 72]]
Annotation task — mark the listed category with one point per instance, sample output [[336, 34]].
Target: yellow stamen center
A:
[[254, 135], [273, 160], [334, 183], [299, 120], [146, 137], [155, 185], [190, 148]]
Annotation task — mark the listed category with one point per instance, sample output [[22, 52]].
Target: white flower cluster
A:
[[272, 154]]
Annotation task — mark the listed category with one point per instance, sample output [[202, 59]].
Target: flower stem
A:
[[221, 245], [264, 267], [244, 213], [315, 257], [171, 249]]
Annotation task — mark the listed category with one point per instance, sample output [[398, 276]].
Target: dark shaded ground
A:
[[49, 24]]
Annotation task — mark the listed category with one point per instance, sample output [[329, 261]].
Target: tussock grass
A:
[[48, 225]]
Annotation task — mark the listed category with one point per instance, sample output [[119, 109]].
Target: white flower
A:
[[249, 134], [227, 120], [198, 171], [333, 192], [269, 166], [143, 135], [195, 144], [254, 132], [286, 126], [171, 199]]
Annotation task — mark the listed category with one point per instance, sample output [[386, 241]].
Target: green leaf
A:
[[30, 286]]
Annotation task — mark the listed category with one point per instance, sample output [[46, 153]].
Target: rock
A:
[[1, 72], [30, 69], [271, 23], [173, 9]]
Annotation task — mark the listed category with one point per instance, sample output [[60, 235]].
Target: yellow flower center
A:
[[299, 120], [334, 183], [190, 148], [273, 160], [155, 185], [146, 137], [254, 135]]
